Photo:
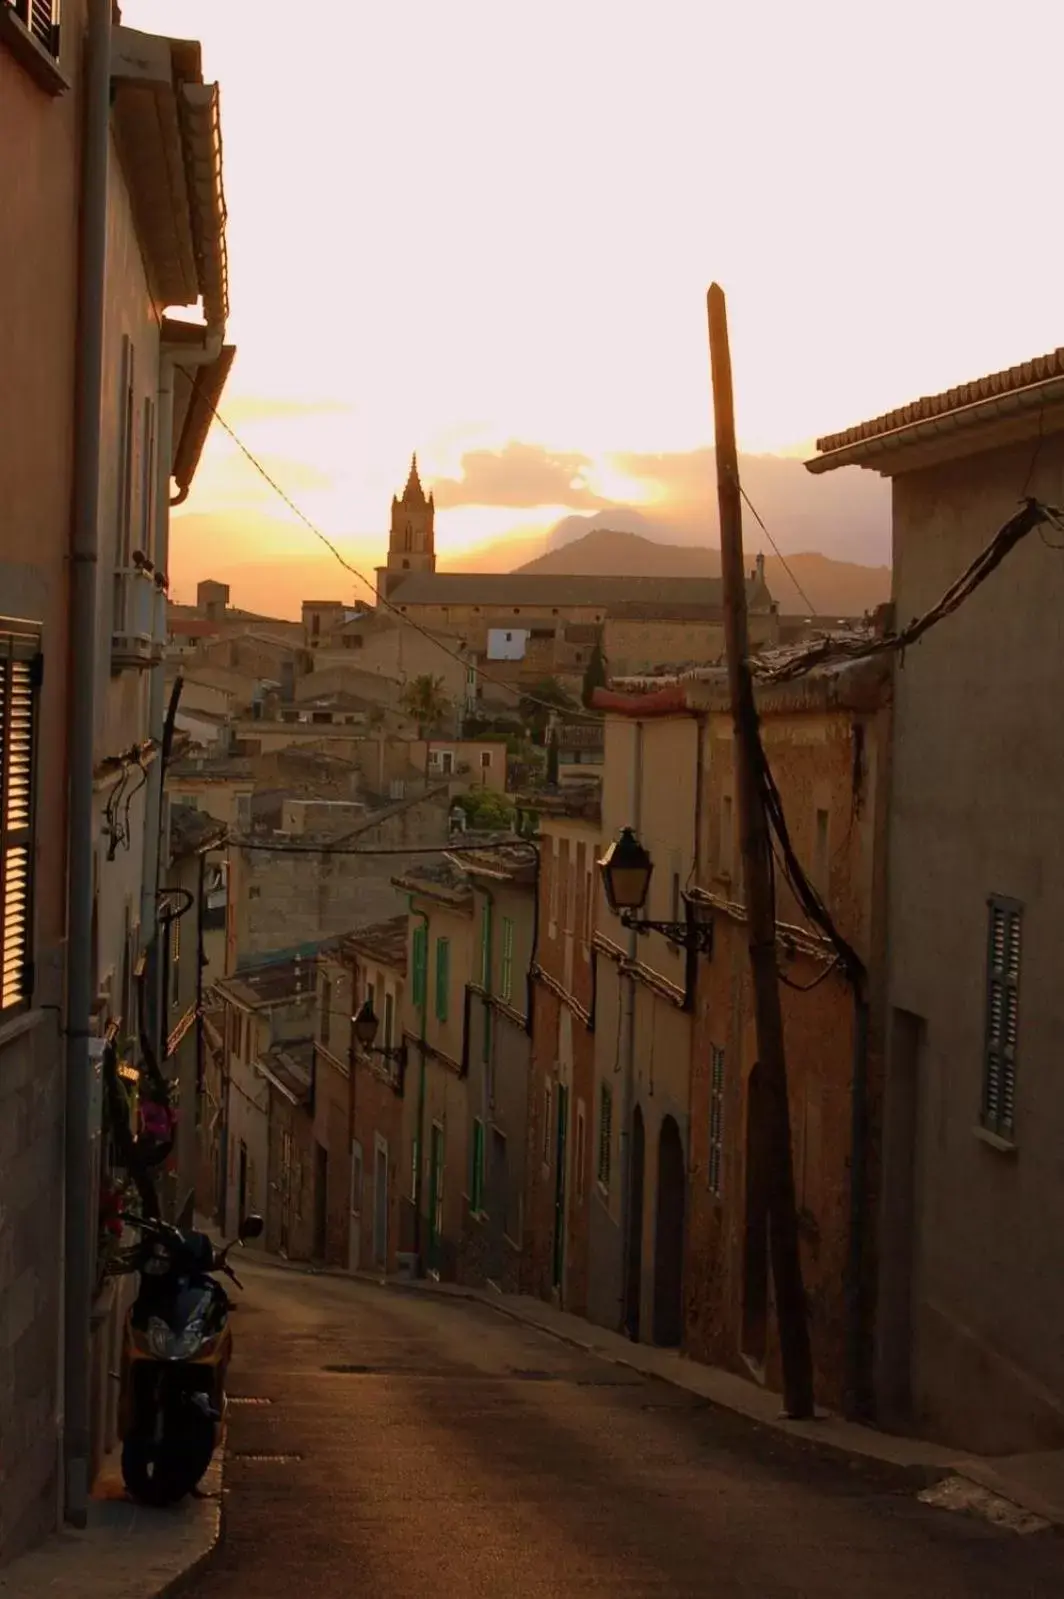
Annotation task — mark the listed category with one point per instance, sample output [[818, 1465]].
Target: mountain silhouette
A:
[[814, 582]]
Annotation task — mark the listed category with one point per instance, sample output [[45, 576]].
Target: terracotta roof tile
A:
[[931, 406]]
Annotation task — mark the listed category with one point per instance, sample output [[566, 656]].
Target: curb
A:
[[177, 1585]]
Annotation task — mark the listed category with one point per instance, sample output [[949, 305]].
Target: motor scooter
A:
[[176, 1348]]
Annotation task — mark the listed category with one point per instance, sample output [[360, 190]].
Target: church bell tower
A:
[[411, 542]]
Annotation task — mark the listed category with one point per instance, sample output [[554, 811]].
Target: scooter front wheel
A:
[[162, 1471]]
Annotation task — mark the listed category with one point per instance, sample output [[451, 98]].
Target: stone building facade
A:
[[436, 1121], [970, 1291], [150, 264], [281, 899], [827, 739], [561, 1171], [497, 1051], [371, 965]]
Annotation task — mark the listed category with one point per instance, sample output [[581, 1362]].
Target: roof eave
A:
[[204, 385], [949, 434], [168, 133]]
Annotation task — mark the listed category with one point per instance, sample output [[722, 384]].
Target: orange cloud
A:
[[520, 476]]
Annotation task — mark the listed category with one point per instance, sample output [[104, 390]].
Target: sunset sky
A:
[[486, 226]]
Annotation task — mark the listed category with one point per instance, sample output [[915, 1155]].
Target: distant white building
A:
[[507, 644]]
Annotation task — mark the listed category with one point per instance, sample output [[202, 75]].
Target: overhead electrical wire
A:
[[571, 714], [823, 651], [779, 552]]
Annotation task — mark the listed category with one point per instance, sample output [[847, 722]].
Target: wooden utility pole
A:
[[760, 897]]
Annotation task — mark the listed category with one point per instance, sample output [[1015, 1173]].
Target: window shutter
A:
[[506, 984], [485, 946], [605, 1144], [418, 982], [443, 977], [1004, 933], [41, 17], [20, 677]]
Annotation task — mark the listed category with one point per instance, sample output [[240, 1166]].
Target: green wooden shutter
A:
[[507, 978], [443, 977], [485, 946], [419, 948]]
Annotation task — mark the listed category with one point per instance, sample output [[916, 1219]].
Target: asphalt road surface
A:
[[415, 1445]]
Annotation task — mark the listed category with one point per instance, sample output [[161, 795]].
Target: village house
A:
[[467, 764], [213, 618], [264, 650], [154, 125], [580, 748], [827, 742], [504, 882], [571, 1157], [643, 1030], [970, 1291], [269, 1013], [436, 1122], [287, 894], [369, 970]]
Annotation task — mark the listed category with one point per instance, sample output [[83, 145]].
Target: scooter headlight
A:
[[166, 1344]]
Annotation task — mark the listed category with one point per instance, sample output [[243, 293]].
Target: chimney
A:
[[760, 568]]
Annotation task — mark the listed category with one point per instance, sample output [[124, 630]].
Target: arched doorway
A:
[[669, 1237], [634, 1243]]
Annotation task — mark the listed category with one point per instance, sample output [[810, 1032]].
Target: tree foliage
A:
[[537, 703], [595, 675], [424, 700], [486, 810]]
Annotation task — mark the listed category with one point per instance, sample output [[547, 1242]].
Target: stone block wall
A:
[[31, 1223]]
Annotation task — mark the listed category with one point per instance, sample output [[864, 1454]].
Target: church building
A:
[[526, 626]]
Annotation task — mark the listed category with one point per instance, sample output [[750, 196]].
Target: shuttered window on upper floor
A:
[[40, 18], [20, 678], [1004, 934]]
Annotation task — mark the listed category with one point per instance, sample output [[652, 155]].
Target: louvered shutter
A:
[[1004, 936], [42, 19], [19, 680]]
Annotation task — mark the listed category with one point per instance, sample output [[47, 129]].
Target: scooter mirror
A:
[[250, 1227]]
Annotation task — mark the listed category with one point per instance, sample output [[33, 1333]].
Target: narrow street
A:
[[417, 1445]]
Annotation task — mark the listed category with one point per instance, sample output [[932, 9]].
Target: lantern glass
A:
[[366, 1024], [626, 871]]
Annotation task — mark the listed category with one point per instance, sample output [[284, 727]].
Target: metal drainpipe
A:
[[422, 1031], [80, 1200], [857, 1396], [628, 1092], [157, 688], [154, 809]]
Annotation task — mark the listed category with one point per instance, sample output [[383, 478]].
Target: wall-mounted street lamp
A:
[[626, 870], [366, 1024]]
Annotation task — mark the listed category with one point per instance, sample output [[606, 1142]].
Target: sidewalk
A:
[[126, 1551], [1033, 1483]]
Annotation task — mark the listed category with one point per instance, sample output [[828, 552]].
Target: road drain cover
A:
[[246, 1399], [351, 1371], [280, 1460], [530, 1375]]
